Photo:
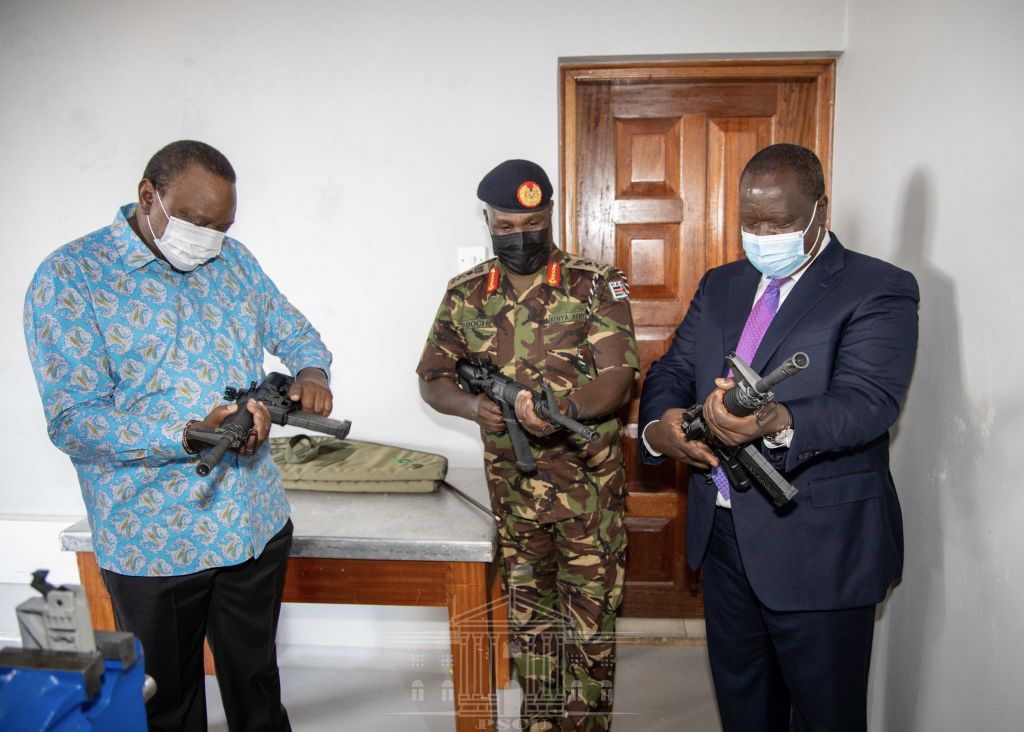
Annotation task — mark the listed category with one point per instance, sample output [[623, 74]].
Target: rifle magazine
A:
[[778, 488]]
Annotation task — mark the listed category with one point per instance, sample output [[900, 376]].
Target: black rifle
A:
[[485, 377], [234, 430], [750, 394]]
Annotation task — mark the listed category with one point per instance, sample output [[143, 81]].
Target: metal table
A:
[[433, 549]]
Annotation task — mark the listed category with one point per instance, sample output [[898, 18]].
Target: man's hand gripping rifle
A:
[[234, 430], [751, 394], [487, 378]]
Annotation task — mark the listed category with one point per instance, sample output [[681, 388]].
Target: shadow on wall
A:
[[935, 458]]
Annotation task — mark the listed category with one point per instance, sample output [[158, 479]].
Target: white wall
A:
[[359, 131], [927, 167]]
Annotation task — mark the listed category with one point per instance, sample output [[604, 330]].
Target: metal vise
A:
[[66, 676]]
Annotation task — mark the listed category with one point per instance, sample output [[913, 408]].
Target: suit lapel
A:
[[742, 289], [809, 290]]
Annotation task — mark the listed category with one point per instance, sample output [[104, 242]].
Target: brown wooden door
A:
[[652, 155]]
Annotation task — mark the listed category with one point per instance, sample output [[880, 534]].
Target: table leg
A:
[[469, 620], [100, 609], [499, 630]]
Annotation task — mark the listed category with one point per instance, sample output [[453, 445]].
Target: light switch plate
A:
[[471, 256]]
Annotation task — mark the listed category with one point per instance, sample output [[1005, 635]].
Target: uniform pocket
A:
[[568, 368], [480, 335]]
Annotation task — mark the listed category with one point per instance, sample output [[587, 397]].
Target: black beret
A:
[[515, 186]]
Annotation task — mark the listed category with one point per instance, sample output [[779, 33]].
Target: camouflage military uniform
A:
[[561, 533]]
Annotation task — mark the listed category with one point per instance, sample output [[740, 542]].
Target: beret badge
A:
[[529, 194]]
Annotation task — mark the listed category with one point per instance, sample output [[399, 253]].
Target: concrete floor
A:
[[661, 684]]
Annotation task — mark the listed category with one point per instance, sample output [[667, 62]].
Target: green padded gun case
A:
[[312, 463]]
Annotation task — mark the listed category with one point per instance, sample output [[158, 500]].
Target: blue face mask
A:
[[778, 255]]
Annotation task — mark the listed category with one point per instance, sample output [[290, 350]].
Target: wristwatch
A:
[[782, 437]]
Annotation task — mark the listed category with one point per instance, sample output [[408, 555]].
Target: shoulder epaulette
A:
[[472, 273], [571, 261]]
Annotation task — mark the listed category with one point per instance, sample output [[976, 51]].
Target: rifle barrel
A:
[[573, 426], [213, 456], [797, 362]]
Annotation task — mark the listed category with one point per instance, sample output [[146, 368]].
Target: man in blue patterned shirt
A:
[[134, 331]]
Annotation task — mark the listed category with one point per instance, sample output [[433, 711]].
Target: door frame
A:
[[819, 70], [571, 74]]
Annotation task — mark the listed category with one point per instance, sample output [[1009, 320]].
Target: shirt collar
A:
[[134, 252]]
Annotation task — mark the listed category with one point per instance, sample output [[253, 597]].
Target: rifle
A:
[[485, 377], [750, 394], [234, 430]]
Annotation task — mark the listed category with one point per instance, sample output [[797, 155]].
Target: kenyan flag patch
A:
[[619, 289]]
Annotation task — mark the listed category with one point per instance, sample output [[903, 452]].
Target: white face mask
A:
[[186, 245], [778, 255]]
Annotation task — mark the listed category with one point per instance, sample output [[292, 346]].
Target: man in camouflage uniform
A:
[[543, 315]]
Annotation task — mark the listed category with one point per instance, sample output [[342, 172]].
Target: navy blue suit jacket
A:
[[839, 543]]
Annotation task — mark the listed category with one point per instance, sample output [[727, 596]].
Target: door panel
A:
[[731, 143], [652, 155]]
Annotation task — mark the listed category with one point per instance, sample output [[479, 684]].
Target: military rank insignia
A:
[[619, 289], [529, 194], [492, 279], [553, 276]]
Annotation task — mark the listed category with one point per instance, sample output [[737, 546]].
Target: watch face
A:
[[782, 437]]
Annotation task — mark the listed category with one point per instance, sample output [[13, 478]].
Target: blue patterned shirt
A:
[[125, 351]]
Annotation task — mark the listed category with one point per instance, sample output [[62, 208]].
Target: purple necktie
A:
[[757, 323]]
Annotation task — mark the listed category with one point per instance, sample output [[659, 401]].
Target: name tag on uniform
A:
[[478, 323], [567, 317]]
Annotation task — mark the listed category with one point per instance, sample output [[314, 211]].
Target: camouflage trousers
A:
[[564, 581]]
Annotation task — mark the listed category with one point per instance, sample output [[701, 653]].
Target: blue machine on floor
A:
[[67, 677]]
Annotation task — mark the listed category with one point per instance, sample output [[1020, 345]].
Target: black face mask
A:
[[523, 252]]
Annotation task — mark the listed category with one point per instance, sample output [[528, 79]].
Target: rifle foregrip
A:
[[546, 407], [742, 401], [305, 420]]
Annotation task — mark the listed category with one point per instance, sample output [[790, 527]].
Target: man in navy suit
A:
[[790, 593]]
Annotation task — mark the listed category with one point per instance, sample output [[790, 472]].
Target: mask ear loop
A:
[[169, 216], [814, 212], [150, 223]]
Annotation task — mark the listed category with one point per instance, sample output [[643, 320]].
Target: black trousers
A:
[[237, 608], [779, 671]]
